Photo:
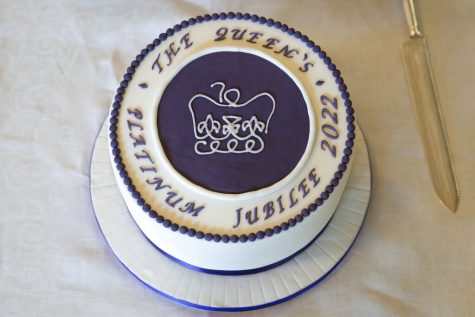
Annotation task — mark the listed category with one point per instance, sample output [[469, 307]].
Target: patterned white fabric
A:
[[60, 63]]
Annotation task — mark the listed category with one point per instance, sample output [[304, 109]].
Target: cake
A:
[[231, 137]]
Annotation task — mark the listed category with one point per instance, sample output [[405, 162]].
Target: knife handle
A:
[[411, 17]]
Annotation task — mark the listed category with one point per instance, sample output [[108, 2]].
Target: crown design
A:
[[226, 126]]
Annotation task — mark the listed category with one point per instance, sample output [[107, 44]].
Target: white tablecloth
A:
[[60, 64]]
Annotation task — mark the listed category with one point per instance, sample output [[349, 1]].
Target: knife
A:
[[420, 80]]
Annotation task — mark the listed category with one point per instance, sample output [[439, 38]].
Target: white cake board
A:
[[218, 292]]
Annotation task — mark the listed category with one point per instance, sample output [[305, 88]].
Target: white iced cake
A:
[[231, 137]]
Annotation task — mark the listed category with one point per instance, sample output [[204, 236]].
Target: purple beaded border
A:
[[261, 234]]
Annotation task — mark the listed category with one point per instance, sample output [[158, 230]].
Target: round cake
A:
[[231, 136]]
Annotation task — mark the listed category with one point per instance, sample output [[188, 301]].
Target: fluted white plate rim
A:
[[221, 292]]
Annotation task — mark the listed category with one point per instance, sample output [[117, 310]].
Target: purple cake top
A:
[[233, 122]]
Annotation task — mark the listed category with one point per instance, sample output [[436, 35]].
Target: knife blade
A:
[[420, 79]]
